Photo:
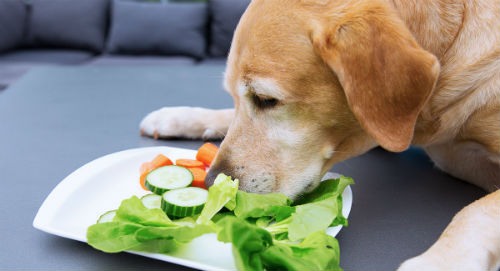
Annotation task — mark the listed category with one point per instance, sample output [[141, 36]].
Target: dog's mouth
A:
[[267, 184], [314, 184]]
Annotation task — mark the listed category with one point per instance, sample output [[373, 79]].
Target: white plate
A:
[[78, 200]]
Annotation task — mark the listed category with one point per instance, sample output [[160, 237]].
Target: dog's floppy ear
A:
[[387, 77]]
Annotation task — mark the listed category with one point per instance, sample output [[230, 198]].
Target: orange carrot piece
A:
[[146, 166], [190, 163], [161, 161], [206, 153], [144, 171], [198, 177]]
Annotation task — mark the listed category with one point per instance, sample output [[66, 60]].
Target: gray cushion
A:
[[44, 56], [124, 60], [12, 22], [69, 24], [225, 15], [158, 28]]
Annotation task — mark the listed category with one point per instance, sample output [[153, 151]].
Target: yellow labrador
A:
[[316, 82]]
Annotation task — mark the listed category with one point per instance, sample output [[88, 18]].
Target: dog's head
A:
[[316, 83]]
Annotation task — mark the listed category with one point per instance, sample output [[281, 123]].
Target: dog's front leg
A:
[[187, 122], [471, 242]]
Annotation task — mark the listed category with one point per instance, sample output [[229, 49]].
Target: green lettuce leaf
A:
[[313, 212], [157, 246], [254, 249], [259, 205], [221, 193], [181, 234], [340, 219], [248, 242], [312, 217], [133, 210], [318, 251], [281, 212], [327, 188], [136, 227], [113, 237]]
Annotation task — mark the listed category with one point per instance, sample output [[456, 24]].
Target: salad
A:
[[267, 231]]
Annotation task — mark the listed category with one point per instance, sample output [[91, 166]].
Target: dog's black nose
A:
[[210, 178], [215, 169]]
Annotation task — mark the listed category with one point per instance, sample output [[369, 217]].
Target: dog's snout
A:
[[210, 179], [221, 166], [249, 180]]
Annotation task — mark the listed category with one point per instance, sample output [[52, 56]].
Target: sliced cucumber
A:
[[107, 217], [151, 201], [184, 201], [167, 178]]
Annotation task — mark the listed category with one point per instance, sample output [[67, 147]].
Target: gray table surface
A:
[[56, 119]]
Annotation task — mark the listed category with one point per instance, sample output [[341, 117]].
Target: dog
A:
[[315, 82]]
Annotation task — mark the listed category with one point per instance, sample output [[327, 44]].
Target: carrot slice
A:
[[190, 163], [144, 171], [159, 161], [198, 177], [200, 184], [206, 153], [145, 167]]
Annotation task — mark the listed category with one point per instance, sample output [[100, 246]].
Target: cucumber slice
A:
[[167, 178], [151, 201], [184, 201], [107, 217]]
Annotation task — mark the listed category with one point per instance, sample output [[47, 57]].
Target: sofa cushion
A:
[[158, 28], [225, 15], [46, 56], [124, 60], [65, 24], [12, 22]]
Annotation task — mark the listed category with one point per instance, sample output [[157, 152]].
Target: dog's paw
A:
[[172, 122], [181, 122], [433, 262], [419, 263]]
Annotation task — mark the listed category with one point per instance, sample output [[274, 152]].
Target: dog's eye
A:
[[263, 102]]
